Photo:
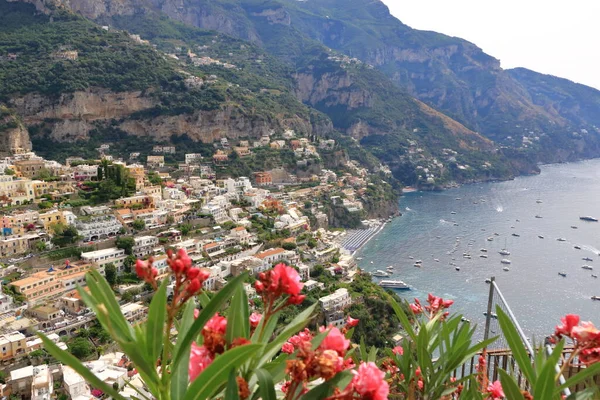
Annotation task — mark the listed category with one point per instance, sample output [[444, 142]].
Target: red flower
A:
[[287, 279], [416, 308], [369, 382], [255, 319], [398, 350], [334, 340], [587, 332], [590, 355], [200, 358], [495, 389], [194, 287], [216, 324], [192, 273], [351, 322], [287, 348], [569, 321]]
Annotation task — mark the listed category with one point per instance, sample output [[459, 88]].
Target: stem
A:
[[568, 362]]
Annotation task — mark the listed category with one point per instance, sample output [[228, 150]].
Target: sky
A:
[[554, 37]]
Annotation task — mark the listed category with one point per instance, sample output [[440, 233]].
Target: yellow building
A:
[[46, 284], [137, 172], [28, 168], [51, 217], [54, 188], [18, 244], [12, 345], [142, 200], [15, 191]]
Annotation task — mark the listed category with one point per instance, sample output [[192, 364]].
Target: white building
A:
[[6, 302], [134, 312], [98, 228], [74, 384], [193, 158], [144, 245], [217, 208], [103, 257], [333, 307], [240, 185]]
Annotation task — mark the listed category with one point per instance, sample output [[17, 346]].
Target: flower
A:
[[586, 332], [255, 319], [569, 321], [398, 350], [287, 348], [351, 322], [590, 355], [289, 279], [495, 389], [216, 324], [334, 340], [200, 358], [369, 382]]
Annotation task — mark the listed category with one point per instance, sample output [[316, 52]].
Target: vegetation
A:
[[126, 243], [110, 273], [64, 235]]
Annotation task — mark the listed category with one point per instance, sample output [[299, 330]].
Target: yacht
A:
[[588, 218], [483, 256], [541, 236], [506, 269], [588, 267], [563, 274], [595, 297], [505, 261], [393, 284], [516, 235], [561, 239], [587, 259], [380, 273], [504, 252], [483, 250]]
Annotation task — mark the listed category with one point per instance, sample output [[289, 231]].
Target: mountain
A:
[[196, 85]]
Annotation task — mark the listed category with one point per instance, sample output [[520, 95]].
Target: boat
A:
[[452, 212], [516, 235], [483, 256], [496, 234], [490, 239], [358, 258], [505, 261], [577, 247], [458, 198], [504, 251], [588, 218], [587, 259], [371, 262], [538, 216], [573, 227], [455, 224], [595, 297], [457, 268], [594, 276], [390, 268], [436, 259], [538, 201], [488, 280], [483, 250], [561, 239], [418, 261], [380, 273], [506, 269], [418, 265], [541, 236], [393, 284], [411, 257], [563, 274], [468, 257], [588, 267]]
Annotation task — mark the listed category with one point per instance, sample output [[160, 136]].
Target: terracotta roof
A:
[[210, 245], [239, 228], [270, 252]]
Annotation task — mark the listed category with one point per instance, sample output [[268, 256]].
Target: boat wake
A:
[[499, 208]]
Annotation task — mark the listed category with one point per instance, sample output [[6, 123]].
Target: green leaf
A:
[[180, 376], [516, 345], [238, 324], [207, 313], [546, 380], [216, 374], [372, 354], [326, 388], [404, 321], [509, 386], [67, 359], [584, 374], [265, 384], [155, 325], [231, 391]]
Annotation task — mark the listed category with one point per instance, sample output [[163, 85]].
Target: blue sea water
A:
[[538, 296]]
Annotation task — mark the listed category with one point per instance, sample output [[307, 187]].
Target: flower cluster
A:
[[436, 304], [585, 336], [280, 281], [494, 390]]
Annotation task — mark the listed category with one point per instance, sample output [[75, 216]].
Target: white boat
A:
[[504, 252], [573, 227], [588, 218], [588, 267], [418, 261], [490, 239], [390, 268], [539, 216], [506, 269], [418, 265], [358, 258], [483, 250], [411, 257], [483, 256], [452, 212], [380, 273], [393, 284], [561, 239], [595, 297], [541, 236], [457, 268], [594, 276], [436, 259], [587, 259], [538, 201], [505, 261]]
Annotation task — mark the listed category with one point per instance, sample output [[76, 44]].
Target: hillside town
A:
[[60, 221]]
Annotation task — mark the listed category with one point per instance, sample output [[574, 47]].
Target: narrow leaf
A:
[[326, 388], [156, 322], [238, 324], [516, 345], [180, 377], [265, 384], [231, 391], [510, 387]]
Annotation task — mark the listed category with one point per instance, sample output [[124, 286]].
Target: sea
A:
[[440, 227]]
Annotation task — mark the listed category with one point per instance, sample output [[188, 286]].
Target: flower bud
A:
[[177, 266], [154, 272], [298, 299], [194, 287], [204, 275], [192, 273], [258, 285]]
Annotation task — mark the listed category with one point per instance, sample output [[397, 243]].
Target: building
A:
[[144, 201], [193, 158], [137, 172], [144, 245], [74, 384], [20, 244], [220, 157], [155, 161], [12, 345], [101, 258], [263, 178], [333, 306], [15, 191], [6, 302], [272, 256], [134, 312], [239, 185], [242, 151], [84, 172], [53, 282], [241, 235], [29, 168], [98, 227], [51, 217]]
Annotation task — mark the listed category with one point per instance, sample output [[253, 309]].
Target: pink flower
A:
[[255, 319], [590, 356], [216, 324], [200, 358], [334, 340], [196, 313], [398, 350], [369, 382], [495, 389], [586, 332], [287, 348], [416, 308], [302, 337], [288, 279], [569, 321], [351, 322]]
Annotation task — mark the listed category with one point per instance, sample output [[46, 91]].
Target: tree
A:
[[138, 224], [110, 272], [64, 234], [170, 219], [126, 242], [312, 243], [154, 178], [128, 263], [40, 246], [289, 245], [185, 228], [44, 205], [8, 171], [81, 348]]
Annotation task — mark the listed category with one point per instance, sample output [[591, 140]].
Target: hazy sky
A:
[[554, 37]]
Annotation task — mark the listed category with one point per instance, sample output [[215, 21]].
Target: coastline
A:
[[370, 237]]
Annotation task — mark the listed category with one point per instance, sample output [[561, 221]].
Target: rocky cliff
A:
[[14, 138]]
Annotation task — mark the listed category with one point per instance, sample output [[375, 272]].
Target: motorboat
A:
[[588, 218], [538, 201], [587, 259], [538, 216], [390, 268], [588, 267], [595, 297], [483, 256], [436, 259], [506, 269], [541, 236], [372, 262], [418, 265], [488, 280], [411, 257], [496, 234], [490, 239], [561, 239], [418, 261], [393, 284], [577, 247], [573, 227], [594, 276], [358, 258], [457, 268], [563, 274], [452, 212], [468, 257], [380, 273], [483, 250], [505, 261]]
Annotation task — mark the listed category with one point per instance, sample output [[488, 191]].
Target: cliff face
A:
[[14, 140]]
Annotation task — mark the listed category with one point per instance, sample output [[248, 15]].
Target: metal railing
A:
[[499, 354]]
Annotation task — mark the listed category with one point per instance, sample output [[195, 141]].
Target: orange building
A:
[[263, 178]]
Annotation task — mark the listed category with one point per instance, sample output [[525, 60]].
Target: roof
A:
[[211, 245], [21, 373], [270, 252], [239, 228], [100, 253]]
